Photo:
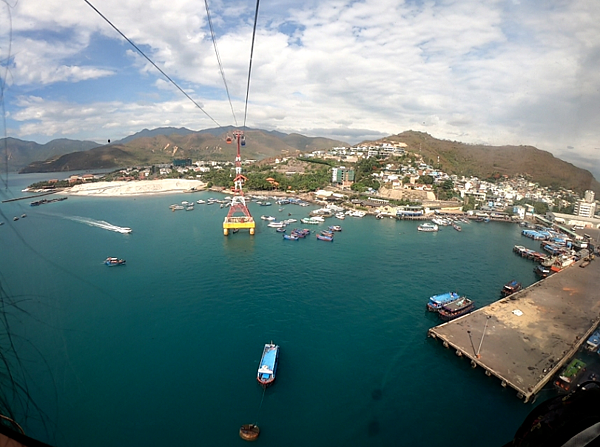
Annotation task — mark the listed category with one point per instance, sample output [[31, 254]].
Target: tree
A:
[[426, 180], [540, 207]]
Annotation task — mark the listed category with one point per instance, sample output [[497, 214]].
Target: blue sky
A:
[[494, 72]]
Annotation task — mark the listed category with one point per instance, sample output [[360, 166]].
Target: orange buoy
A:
[[249, 432]]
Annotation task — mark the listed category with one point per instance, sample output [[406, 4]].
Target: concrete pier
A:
[[524, 339]]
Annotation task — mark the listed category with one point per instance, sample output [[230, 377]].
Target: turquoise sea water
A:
[[164, 351]]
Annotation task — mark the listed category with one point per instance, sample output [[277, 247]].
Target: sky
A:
[[494, 72]]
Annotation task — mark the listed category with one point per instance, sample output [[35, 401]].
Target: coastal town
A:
[[399, 183]]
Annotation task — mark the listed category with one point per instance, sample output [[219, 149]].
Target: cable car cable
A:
[[250, 65], [2, 88], [212, 35], [150, 60]]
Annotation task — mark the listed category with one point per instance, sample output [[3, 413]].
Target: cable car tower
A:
[[238, 215]]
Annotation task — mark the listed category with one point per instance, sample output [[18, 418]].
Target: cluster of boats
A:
[[45, 201], [189, 206], [438, 222], [450, 305], [323, 235], [560, 250], [336, 211]]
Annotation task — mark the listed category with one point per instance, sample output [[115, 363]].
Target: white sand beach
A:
[[135, 188]]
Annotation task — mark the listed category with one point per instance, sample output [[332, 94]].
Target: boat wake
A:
[[100, 224]]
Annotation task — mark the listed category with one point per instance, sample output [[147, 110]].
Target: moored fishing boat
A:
[[436, 301], [335, 228], [427, 227], [456, 308], [456, 227], [268, 365], [322, 237], [111, 262], [290, 237], [511, 287]]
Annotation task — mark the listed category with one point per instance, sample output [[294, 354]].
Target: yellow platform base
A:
[[227, 225]]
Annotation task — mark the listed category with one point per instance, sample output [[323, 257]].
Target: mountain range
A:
[[162, 145], [165, 144]]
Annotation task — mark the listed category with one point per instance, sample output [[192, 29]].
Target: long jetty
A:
[[33, 196], [526, 338]]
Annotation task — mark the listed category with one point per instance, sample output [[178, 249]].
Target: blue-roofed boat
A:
[[511, 287], [290, 237], [436, 301], [268, 365], [593, 343]]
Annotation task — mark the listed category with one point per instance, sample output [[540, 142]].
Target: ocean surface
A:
[[164, 350]]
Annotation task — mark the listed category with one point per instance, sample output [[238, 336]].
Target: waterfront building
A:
[[572, 221]]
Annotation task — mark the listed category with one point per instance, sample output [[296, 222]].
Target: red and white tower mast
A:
[[238, 215]]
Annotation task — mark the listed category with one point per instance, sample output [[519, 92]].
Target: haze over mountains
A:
[[162, 145]]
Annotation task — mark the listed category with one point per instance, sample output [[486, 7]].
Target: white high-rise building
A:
[[587, 206], [588, 196]]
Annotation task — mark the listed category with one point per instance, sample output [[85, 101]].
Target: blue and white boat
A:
[[593, 343], [437, 301], [428, 227], [268, 365]]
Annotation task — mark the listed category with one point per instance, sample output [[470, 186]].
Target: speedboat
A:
[[111, 262]]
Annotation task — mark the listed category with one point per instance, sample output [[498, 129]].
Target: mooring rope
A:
[[260, 406]]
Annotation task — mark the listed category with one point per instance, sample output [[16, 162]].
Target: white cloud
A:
[[500, 72]]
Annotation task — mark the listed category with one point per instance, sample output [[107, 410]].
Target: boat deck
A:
[[526, 338]]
